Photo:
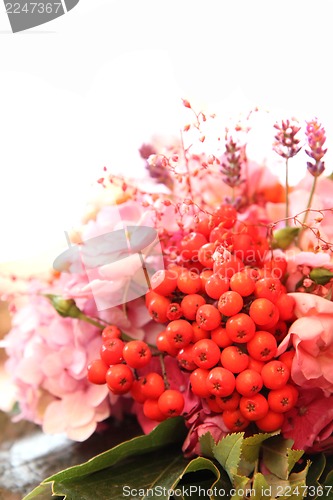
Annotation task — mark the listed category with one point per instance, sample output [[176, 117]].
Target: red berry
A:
[[216, 285], [242, 283], [171, 403], [225, 215], [253, 407], [286, 306], [111, 351], [137, 353], [152, 411], [262, 346], [263, 311], [191, 244], [119, 379], [164, 282], [220, 382], [97, 370], [282, 400], [220, 337], [268, 288], [230, 402], [234, 359], [198, 380], [185, 358], [208, 317], [271, 422], [174, 311], [158, 307], [190, 305], [111, 332], [240, 328], [205, 255], [179, 333], [206, 353], [249, 382], [163, 345], [152, 385], [230, 303], [275, 374], [189, 282], [234, 420]]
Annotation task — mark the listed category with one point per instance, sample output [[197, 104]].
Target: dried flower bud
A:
[[186, 103], [286, 143]]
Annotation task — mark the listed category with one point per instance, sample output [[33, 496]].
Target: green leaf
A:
[[154, 475], [240, 484], [315, 471], [228, 452], [320, 275], [207, 444], [150, 475], [278, 457], [293, 487], [261, 488], [251, 445], [328, 487], [42, 492], [293, 457], [283, 238], [170, 431]]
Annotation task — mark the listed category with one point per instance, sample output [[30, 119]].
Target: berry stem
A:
[[164, 374]]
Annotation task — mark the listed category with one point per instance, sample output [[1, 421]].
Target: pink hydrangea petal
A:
[[77, 412], [52, 365], [29, 371], [96, 394], [83, 432], [54, 422]]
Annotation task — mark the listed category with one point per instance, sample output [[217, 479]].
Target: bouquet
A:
[[199, 300]]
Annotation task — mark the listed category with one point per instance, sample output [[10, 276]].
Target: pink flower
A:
[[208, 423], [301, 263], [310, 423], [312, 337]]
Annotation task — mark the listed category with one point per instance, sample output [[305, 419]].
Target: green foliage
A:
[[153, 466]]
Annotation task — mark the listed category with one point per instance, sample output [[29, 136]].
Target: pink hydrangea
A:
[[312, 337], [310, 423], [48, 357]]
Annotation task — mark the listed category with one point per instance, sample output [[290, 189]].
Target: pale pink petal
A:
[[96, 394], [76, 410], [83, 432], [54, 422], [52, 365]]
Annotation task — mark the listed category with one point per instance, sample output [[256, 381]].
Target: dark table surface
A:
[[27, 456]]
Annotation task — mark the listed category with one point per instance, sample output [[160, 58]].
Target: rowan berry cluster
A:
[[118, 367], [225, 311]]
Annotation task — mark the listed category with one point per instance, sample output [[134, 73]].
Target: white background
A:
[[87, 89]]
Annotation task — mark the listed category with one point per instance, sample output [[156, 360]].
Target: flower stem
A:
[[93, 322], [314, 184], [287, 194]]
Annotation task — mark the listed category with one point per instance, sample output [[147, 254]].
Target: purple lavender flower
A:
[[316, 139], [232, 164]]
